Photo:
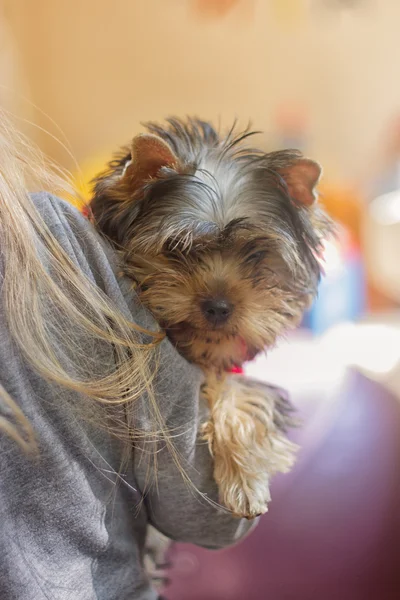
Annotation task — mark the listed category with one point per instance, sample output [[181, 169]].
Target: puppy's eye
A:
[[256, 256], [172, 250], [174, 247]]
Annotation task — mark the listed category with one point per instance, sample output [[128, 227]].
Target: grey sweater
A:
[[71, 525]]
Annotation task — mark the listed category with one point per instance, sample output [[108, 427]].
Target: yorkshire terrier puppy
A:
[[223, 241]]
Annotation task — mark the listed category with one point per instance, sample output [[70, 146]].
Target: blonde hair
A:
[[34, 300]]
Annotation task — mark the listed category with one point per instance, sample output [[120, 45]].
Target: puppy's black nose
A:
[[216, 311]]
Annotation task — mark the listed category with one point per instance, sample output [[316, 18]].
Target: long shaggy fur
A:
[[217, 220]]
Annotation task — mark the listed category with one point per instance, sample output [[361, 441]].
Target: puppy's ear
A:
[[150, 154], [301, 179]]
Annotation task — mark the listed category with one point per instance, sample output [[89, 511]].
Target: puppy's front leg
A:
[[246, 436]]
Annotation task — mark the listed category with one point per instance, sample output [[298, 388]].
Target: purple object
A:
[[333, 529]]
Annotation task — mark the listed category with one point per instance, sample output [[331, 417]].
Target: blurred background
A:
[[80, 76]]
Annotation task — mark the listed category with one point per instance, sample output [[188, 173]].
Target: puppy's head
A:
[[222, 239]]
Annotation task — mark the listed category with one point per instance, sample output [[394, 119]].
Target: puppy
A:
[[223, 242]]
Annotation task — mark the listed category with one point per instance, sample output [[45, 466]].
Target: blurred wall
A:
[[14, 89], [99, 68]]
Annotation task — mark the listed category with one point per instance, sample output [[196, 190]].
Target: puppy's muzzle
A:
[[216, 310]]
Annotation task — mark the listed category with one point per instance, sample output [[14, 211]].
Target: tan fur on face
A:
[[174, 287]]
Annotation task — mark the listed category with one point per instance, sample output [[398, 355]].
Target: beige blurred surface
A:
[[99, 68]]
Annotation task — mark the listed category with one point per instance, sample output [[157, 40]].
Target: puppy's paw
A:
[[246, 435]]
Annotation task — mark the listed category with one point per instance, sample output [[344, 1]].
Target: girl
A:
[[99, 415]]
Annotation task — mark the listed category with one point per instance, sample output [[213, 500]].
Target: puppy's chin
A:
[[211, 349]]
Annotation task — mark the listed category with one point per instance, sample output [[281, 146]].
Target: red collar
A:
[[238, 370]]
